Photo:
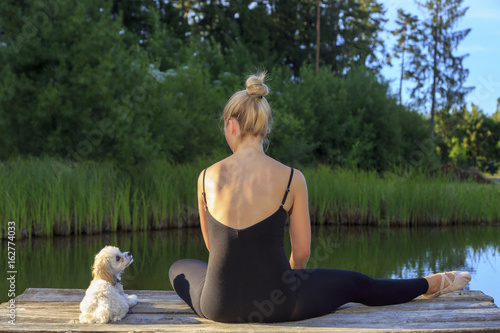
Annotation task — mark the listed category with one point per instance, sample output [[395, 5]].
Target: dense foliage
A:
[[469, 138], [134, 81]]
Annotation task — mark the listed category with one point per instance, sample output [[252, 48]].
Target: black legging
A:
[[318, 291], [324, 290]]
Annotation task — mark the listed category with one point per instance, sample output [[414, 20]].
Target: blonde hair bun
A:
[[255, 85], [250, 108]]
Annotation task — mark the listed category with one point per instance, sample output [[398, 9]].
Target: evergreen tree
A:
[[496, 115], [75, 87], [285, 30], [349, 34], [439, 75], [407, 42], [136, 16]]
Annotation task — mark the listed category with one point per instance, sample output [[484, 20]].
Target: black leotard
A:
[[249, 279]]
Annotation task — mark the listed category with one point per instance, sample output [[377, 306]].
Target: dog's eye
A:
[[118, 258]]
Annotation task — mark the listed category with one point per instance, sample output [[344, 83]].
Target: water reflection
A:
[[65, 262]]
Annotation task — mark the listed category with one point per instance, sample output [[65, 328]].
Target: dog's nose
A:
[[129, 253]]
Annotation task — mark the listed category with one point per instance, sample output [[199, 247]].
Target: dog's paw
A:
[[132, 300], [116, 318]]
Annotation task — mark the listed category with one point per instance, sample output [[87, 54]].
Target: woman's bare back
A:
[[245, 189]]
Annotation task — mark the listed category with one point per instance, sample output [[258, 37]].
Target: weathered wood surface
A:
[[57, 310]]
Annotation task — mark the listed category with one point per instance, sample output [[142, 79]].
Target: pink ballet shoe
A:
[[460, 281]]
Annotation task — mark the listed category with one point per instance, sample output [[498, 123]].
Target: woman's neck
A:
[[250, 145]]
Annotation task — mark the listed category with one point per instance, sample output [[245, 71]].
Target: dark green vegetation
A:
[[46, 197], [64, 262], [134, 81]]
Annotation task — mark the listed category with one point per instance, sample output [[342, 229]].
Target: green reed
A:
[[361, 197], [50, 197]]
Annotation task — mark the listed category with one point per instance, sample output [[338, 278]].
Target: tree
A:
[[473, 134], [318, 33], [468, 137], [288, 30], [76, 89], [136, 16], [344, 120], [493, 124], [439, 74], [59, 92], [407, 42], [496, 115], [350, 34]]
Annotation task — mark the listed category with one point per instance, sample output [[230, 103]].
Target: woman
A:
[[248, 277]]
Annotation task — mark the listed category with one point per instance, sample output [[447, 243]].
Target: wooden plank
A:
[[156, 300], [53, 294], [76, 295], [35, 295], [57, 310], [340, 318], [195, 324], [166, 308]]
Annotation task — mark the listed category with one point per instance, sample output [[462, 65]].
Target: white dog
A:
[[105, 300]]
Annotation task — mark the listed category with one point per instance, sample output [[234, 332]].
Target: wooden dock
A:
[[57, 310]]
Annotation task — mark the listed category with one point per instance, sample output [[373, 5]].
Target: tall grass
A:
[[48, 197], [347, 197]]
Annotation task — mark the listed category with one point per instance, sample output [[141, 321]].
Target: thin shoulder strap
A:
[[203, 193], [287, 187]]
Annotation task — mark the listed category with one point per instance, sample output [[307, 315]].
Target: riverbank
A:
[[46, 197]]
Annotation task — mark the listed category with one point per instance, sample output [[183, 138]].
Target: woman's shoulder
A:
[[209, 170], [213, 167], [296, 172]]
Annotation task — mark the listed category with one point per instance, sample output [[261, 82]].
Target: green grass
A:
[[48, 197]]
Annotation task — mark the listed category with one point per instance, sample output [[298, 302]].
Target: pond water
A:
[[64, 262]]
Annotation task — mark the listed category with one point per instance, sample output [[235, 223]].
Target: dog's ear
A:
[[102, 270]]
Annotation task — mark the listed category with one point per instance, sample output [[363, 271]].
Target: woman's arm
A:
[[202, 212], [300, 223]]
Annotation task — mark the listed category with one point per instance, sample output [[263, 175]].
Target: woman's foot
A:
[[443, 283]]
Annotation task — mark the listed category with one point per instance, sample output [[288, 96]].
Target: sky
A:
[[482, 44]]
